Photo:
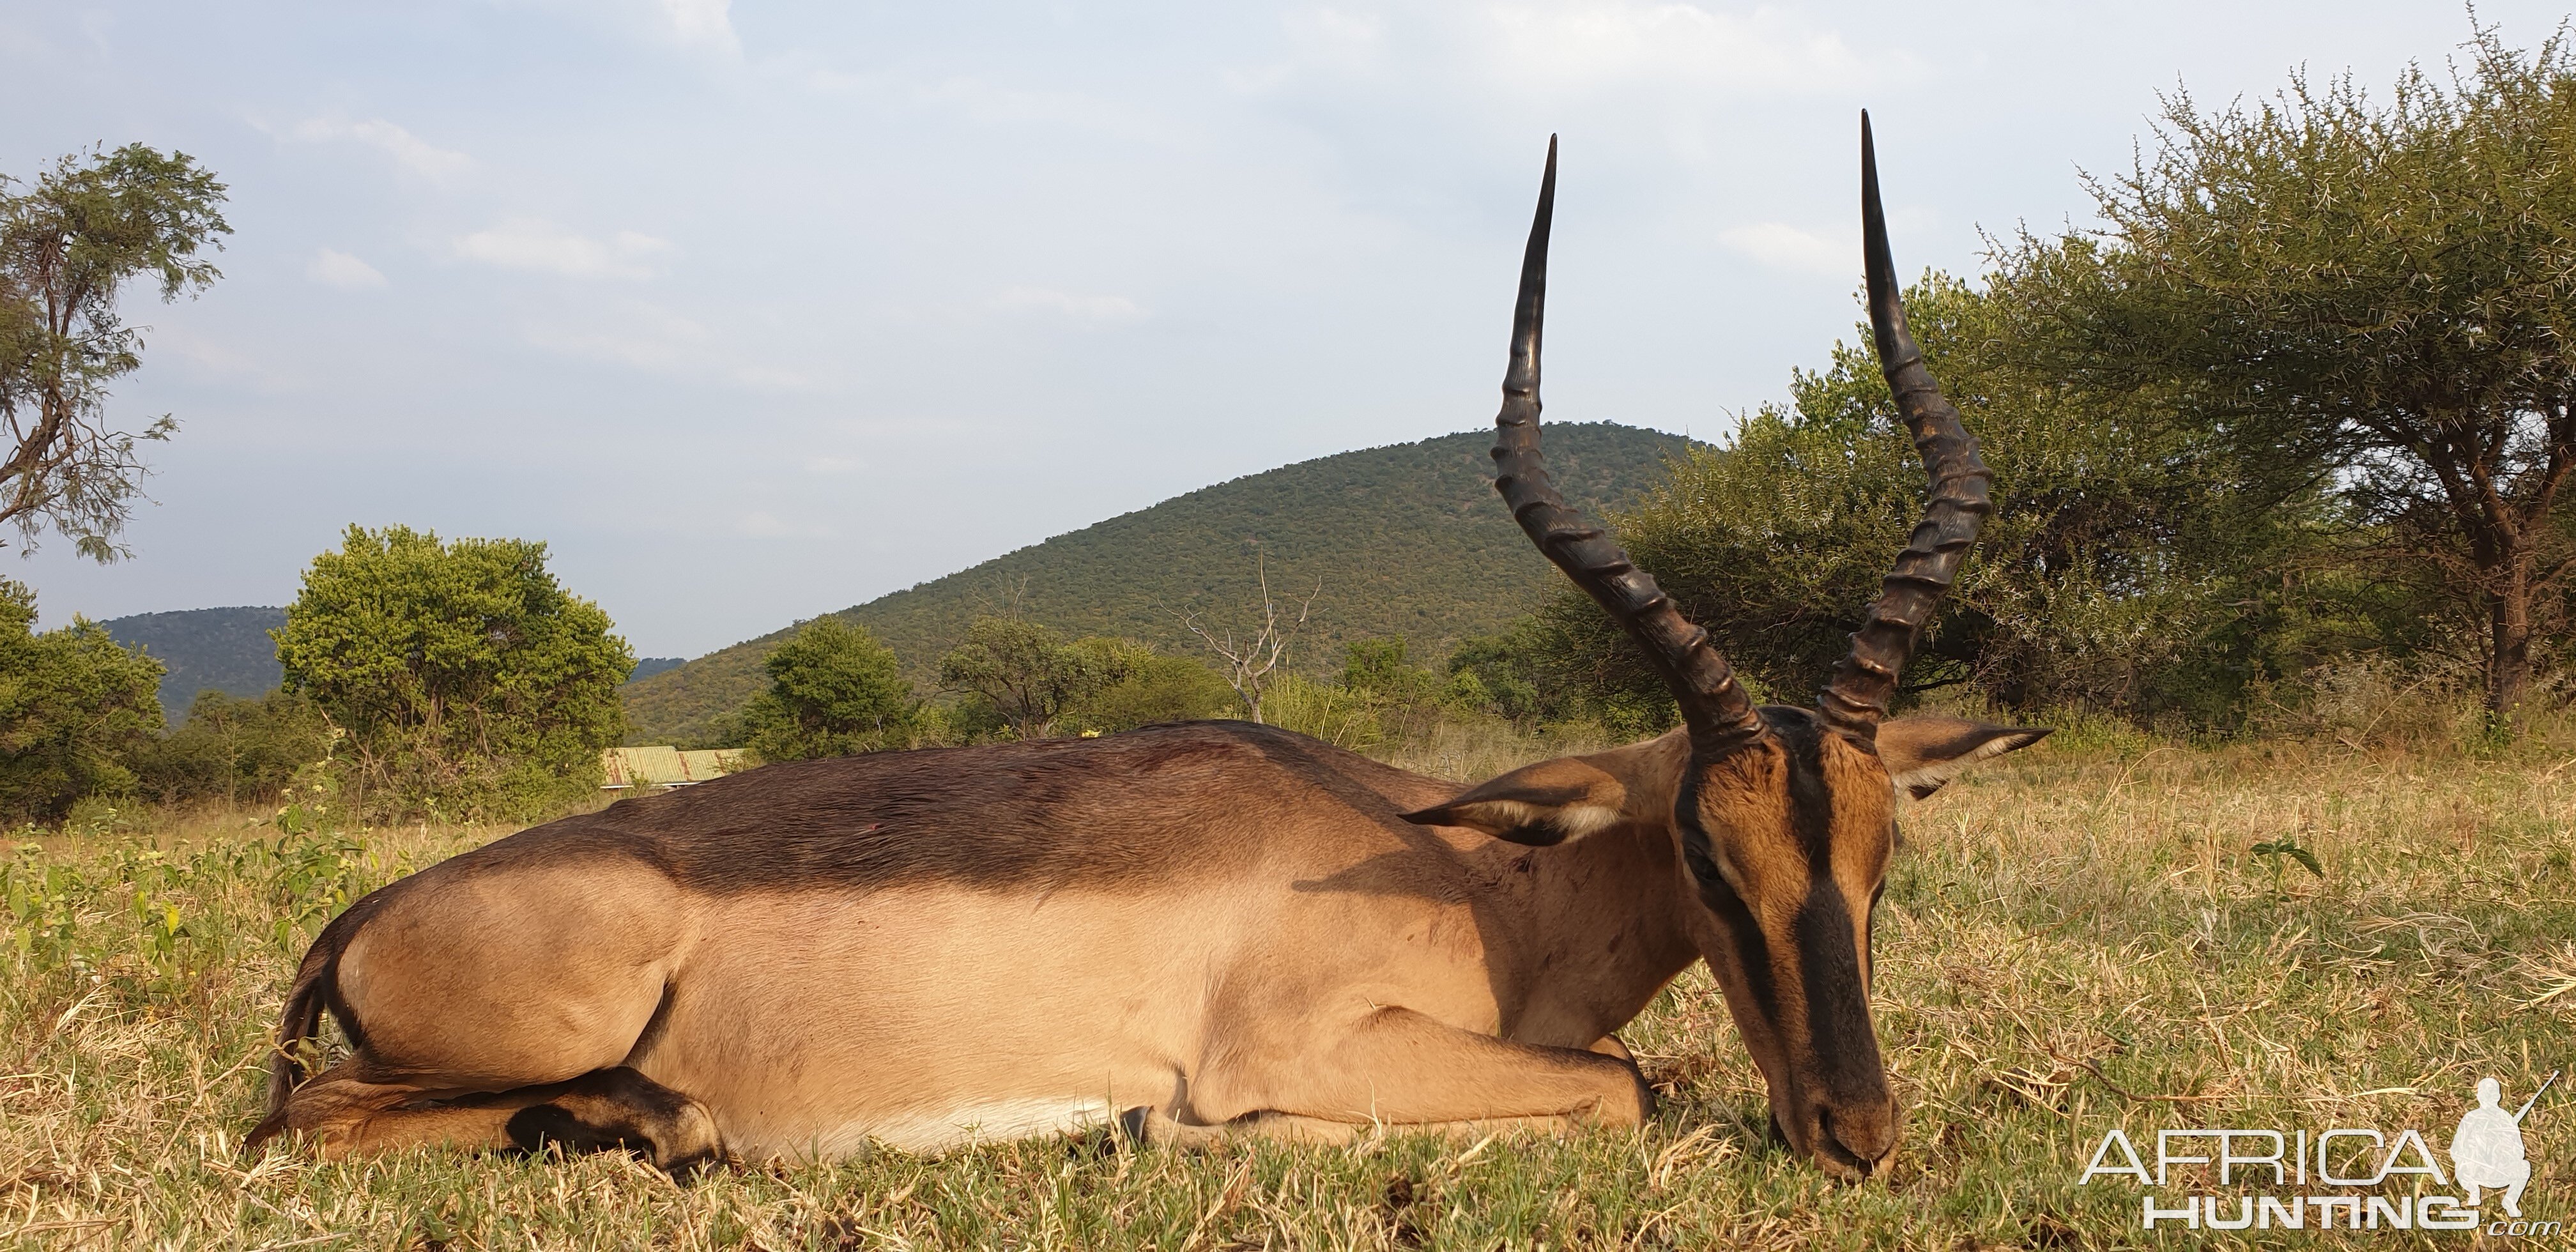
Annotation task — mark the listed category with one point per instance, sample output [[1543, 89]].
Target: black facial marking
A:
[[1869, 929], [1753, 950], [1811, 807], [1837, 1006]]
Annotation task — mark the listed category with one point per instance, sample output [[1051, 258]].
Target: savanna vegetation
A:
[[1403, 540], [2079, 938], [2283, 546]]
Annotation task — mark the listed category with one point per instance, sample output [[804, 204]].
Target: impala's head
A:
[[1784, 818]]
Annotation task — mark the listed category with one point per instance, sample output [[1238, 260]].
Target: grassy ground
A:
[[2078, 938]]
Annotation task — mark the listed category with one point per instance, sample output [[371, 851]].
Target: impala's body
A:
[[1097, 932], [1194, 930]]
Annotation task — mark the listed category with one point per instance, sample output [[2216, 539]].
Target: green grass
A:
[[2067, 927]]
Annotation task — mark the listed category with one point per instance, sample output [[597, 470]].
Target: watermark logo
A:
[[2326, 1172], [2486, 1151]]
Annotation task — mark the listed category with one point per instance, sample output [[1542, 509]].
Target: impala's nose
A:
[[1857, 1139]]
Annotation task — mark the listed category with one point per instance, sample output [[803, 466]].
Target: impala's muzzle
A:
[[1788, 847], [1844, 1105]]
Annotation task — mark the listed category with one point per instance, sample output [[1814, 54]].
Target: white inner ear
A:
[[1573, 821], [1578, 820], [1934, 774]]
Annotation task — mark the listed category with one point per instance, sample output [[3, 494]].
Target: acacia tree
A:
[[2386, 294], [1028, 673], [68, 247], [467, 680], [2126, 557]]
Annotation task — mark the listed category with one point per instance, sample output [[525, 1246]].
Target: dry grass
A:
[[2072, 941]]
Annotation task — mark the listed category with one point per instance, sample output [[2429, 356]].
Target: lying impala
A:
[[1194, 930]]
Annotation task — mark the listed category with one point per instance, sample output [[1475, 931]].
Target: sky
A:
[[754, 310]]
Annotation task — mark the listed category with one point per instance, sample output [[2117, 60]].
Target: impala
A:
[[1192, 931]]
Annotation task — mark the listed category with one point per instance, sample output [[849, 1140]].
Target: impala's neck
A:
[[1597, 925]]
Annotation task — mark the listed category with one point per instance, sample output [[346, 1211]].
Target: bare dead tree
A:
[[1250, 665]]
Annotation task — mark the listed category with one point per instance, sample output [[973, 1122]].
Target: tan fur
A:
[[1327, 968]]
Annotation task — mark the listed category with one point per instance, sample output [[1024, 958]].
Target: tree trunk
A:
[[2509, 653]]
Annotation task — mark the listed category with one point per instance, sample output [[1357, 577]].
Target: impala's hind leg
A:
[[610, 1108], [620, 1108]]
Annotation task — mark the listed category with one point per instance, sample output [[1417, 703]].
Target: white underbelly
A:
[[991, 1121]]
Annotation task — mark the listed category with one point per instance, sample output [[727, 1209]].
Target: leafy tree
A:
[[1027, 674], [468, 681], [1149, 688], [72, 705], [833, 691], [234, 749], [2124, 549], [68, 247], [2380, 296], [1405, 698]]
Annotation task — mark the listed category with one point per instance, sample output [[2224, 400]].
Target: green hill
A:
[[225, 650], [1404, 540]]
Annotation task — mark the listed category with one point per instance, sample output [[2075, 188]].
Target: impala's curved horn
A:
[[1854, 700], [1714, 705]]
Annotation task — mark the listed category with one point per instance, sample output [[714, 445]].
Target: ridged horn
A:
[[1854, 700], [1713, 704]]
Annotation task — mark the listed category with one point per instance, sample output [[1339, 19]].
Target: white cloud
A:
[[334, 268], [763, 524], [1614, 42], [526, 244], [408, 150], [834, 465], [655, 340], [645, 337], [1085, 310], [1780, 246], [702, 24]]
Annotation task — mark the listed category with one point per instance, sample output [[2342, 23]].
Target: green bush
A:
[[1147, 687], [833, 691], [234, 749], [73, 707], [469, 683], [1017, 673]]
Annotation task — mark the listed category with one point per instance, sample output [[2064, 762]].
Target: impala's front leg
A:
[[1405, 1071]]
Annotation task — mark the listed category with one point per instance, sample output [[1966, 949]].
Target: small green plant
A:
[[2277, 852]]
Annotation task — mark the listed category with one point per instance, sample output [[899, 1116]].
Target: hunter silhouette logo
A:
[[2486, 1151]]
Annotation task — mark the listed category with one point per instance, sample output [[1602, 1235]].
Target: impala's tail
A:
[[314, 993]]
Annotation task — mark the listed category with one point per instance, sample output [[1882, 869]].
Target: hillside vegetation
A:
[[227, 650], [1405, 540]]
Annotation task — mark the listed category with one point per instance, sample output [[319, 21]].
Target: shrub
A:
[[1148, 688], [73, 706], [833, 691], [468, 681], [234, 749]]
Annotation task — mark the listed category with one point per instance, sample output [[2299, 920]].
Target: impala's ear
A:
[[1539, 805], [1921, 753]]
